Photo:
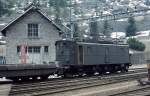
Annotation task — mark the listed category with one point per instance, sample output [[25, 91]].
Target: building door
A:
[[34, 58], [34, 54]]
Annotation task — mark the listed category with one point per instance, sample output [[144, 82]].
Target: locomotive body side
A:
[[99, 54]]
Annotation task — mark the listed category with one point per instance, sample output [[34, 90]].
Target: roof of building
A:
[[28, 10]]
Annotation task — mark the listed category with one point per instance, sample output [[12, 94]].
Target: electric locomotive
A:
[[87, 58]]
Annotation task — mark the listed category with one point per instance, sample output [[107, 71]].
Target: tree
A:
[[107, 27], [94, 29], [147, 2], [77, 33], [76, 28], [135, 44], [131, 28], [57, 5], [5, 7]]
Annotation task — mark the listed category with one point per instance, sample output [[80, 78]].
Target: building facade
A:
[[31, 38]]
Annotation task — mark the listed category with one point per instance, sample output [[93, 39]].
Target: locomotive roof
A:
[[89, 43]]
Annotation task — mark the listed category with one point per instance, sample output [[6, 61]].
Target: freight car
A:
[[25, 71], [87, 58]]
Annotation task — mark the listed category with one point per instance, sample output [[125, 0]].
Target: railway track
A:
[[62, 85], [142, 91]]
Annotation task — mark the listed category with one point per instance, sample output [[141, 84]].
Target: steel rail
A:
[[51, 88]]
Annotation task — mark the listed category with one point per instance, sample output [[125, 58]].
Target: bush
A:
[[135, 44]]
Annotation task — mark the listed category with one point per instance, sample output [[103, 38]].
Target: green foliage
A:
[[131, 28], [57, 5], [107, 27], [5, 7], [93, 28], [135, 44], [76, 34], [147, 2]]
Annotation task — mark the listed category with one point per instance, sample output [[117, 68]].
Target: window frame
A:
[[30, 49], [33, 30], [46, 49]]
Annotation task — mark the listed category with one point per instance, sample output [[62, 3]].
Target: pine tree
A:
[[147, 2], [94, 30], [5, 7], [131, 28], [76, 28], [57, 5], [106, 30], [77, 33]]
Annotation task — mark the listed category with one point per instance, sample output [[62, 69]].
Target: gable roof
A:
[[37, 10]]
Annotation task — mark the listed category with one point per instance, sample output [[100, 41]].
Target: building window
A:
[[34, 49], [19, 49], [46, 49], [31, 49], [33, 30]]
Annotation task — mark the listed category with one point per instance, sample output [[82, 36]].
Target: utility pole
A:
[[70, 18], [116, 31]]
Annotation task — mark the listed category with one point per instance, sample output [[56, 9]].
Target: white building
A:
[[37, 31]]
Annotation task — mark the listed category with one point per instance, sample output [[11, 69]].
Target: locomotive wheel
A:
[[100, 70], [113, 70], [26, 78], [68, 75], [34, 77], [125, 69], [89, 73], [13, 78], [45, 77]]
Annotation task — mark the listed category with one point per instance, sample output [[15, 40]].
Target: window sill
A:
[[33, 38], [45, 52]]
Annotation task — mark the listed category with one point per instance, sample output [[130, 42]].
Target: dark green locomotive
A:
[[82, 57]]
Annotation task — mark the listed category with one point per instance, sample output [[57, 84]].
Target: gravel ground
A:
[[5, 89], [138, 66]]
